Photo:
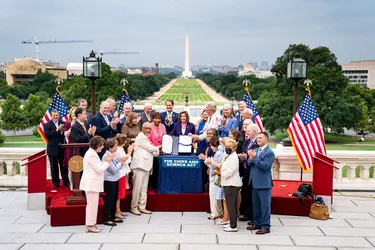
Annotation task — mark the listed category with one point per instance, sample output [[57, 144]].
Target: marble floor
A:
[[352, 227]]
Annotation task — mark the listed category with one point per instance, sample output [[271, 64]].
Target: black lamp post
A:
[[187, 100], [92, 69], [297, 70]]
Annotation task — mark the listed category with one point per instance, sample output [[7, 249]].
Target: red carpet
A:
[[63, 215]]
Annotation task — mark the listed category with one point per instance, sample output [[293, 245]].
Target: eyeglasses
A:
[[146, 128], [210, 133]]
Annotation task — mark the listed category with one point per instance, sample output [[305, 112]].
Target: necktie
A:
[[84, 127], [106, 119]]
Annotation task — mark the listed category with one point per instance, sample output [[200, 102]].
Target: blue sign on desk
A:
[[180, 163], [180, 174]]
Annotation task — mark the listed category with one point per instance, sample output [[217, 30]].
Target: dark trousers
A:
[[231, 194], [246, 207], [153, 180], [262, 207], [54, 165], [111, 191]]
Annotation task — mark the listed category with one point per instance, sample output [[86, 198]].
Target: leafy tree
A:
[[2, 75], [11, 116], [336, 110], [33, 110], [2, 139]]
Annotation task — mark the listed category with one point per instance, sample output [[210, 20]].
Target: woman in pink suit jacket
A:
[[92, 180]]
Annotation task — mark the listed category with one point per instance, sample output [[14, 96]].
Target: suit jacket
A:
[[144, 118], [169, 126], [79, 135], [102, 128], [55, 139], [144, 153], [177, 129], [238, 117], [245, 148], [93, 172], [89, 118], [261, 166]]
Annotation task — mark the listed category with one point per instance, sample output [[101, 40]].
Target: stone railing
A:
[[355, 171]]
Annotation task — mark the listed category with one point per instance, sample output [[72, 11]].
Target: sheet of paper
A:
[[185, 140], [167, 144]]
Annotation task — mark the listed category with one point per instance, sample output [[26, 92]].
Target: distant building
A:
[[134, 71], [24, 70], [360, 72], [74, 69]]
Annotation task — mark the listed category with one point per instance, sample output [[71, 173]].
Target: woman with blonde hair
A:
[[231, 181], [68, 139]]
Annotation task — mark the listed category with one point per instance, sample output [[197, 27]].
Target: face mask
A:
[[228, 150]]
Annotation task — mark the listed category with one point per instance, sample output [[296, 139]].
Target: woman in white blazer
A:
[[92, 180], [231, 181]]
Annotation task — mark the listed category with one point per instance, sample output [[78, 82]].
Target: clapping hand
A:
[[242, 156], [218, 121], [92, 130], [109, 157], [251, 154], [131, 149], [202, 156], [124, 159], [115, 115]]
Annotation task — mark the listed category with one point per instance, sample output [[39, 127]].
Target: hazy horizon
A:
[[220, 32]]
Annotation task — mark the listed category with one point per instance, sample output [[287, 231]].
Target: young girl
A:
[[111, 177], [124, 171], [215, 202]]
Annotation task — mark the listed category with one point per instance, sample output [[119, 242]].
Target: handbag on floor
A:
[[319, 211]]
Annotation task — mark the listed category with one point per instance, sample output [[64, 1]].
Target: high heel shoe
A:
[[92, 230]]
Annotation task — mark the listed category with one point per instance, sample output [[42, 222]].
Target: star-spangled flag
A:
[[256, 116], [58, 104], [306, 133], [124, 99]]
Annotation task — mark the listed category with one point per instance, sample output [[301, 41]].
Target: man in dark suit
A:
[[246, 114], [169, 118], [261, 161], [81, 132], [147, 115], [83, 104], [54, 132], [246, 207], [103, 123]]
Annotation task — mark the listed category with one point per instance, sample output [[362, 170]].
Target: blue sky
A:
[[221, 32]]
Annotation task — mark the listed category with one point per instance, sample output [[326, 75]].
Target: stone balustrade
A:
[[355, 169]]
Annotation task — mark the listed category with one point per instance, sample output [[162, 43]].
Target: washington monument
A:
[[187, 73]]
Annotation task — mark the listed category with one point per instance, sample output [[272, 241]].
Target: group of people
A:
[[122, 152]]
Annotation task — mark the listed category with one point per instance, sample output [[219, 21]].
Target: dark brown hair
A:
[[236, 133], [130, 118], [187, 116], [215, 142], [157, 115], [121, 139], [110, 143], [96, 142]]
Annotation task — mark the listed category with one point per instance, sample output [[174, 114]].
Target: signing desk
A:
[[180, 174]]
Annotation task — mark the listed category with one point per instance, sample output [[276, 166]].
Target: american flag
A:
[[58, 104], [306, 133], [256, 116], [124, 99]]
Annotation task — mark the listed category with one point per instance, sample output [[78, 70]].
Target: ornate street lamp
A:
[[297, 70], [92, 69], [187, 100]]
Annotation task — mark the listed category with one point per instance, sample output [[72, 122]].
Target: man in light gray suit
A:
[[141, 166]]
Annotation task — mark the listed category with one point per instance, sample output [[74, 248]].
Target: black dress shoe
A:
[[253, 227], [243, 218], [56, 185], [250, 223], [263, 231]]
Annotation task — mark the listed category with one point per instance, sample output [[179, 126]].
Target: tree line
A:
[[340, 104], [25, 104]]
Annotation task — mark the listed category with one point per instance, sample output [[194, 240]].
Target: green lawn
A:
[[30, 141], [335, 142], [185, 87]]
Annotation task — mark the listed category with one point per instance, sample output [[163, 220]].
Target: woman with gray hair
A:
[[228, 122]]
